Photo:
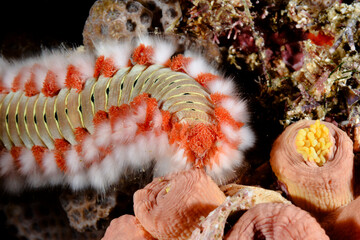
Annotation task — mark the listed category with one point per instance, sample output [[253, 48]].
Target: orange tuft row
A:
[[50, 87], [143, 55]]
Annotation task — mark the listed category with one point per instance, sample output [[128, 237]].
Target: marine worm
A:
[[82, 119]]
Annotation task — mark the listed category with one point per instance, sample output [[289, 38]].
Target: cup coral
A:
[[314, 161], [344, 222], [126, 227], [240, 198], [171, 207], [314, 143], [274, 221]]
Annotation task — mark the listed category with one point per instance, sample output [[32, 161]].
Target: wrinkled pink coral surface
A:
[[126, 227], [171, 207], [344, 223], [273, 221]]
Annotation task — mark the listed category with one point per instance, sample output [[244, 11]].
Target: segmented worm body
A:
[[82, 119]]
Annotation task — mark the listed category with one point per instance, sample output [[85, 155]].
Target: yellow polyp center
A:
[[314, 143]]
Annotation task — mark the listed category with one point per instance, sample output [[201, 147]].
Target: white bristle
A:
[[73, 161], [12, 72], [78, 180], [222, 86], [163, 50], [231, 134], [90, 151], [137, 153], [171, 163], [237, 109], [40, 73], [120, 159], [103, 134], [247, 138], [119, 52], [124, 131], [97, 177], [83, 62], [6, 163], [27, 162], [49, 164], [197, 65], [229, 159], [4, 66], [112, 170], [56, 62]]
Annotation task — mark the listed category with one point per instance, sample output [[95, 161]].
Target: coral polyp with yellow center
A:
[[314, 143], [318, 190]]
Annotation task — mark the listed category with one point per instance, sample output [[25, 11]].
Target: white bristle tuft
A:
[[163, 50], [49, 164], [73, 161], [103, 134], [157, 120], [177, 161], [55, 180], [13, 72], [247, 138], [90, 150], [39, 76], [197, 65], [51, 174], [146, 40], [222, 86], [229, 159], [237, 109], [27, 162], [138, 153], [111, 169], [230, 133], [97, 178], [56, 62], [6, 163], [162, 146], [83, 62], [78, 180], [120, 160], [4, 66], [124, 131], [119, 52], [140, 115]]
